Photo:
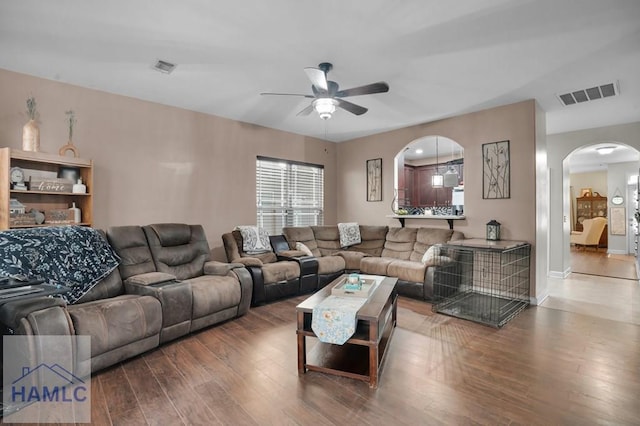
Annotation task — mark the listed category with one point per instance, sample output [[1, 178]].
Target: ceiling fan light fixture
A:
[[325, 107]]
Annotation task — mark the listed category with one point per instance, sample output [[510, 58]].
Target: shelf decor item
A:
[[493, 230], [71, 121], [31, 131]]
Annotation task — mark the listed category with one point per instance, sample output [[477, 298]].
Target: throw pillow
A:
[[305, 249], [349, 234], [432, 253], [255, 240]]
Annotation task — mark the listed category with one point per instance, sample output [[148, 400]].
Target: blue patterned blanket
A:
[[73, 256]]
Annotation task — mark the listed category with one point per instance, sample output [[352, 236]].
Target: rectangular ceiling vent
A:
[[590, 94], [164, 66]]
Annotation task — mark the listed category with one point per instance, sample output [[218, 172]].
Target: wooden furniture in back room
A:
[[588, 207]]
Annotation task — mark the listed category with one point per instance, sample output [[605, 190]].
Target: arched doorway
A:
[[429, 176], [601, 180]]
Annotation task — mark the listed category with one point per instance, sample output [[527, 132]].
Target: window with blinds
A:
[[288, 193]]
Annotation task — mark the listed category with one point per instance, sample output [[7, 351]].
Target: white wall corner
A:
[[537, 300], [560, 274]]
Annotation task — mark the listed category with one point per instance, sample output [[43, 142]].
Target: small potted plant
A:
[[31, 131]]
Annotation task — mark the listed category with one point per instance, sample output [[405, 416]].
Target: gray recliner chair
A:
[[172, 262]]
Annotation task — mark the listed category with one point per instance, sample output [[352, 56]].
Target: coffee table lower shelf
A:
[[360, 358]]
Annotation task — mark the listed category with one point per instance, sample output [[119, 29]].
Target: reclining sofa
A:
[[165, 287], [393, 252]]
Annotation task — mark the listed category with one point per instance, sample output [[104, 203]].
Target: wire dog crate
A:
[[487, 282]]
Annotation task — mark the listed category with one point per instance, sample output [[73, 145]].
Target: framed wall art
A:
[[618, 220], [374, 179], [496, 170]]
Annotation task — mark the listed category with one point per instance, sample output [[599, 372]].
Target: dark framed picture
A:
[[374, 179], [496, 170]]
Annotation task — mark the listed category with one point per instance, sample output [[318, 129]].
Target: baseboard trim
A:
[[559, 274], [538, 300], [617, 252]]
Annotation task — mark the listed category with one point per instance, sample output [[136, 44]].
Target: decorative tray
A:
[[345, 288]]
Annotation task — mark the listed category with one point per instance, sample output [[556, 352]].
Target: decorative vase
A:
[[31, 136]]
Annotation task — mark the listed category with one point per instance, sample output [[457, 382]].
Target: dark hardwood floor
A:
[[544, 367]]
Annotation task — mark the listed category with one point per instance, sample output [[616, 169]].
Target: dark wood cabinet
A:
[[588, 207], [415, 189]]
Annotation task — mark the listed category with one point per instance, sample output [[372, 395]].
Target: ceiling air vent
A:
[[590, 94], [164, 66]]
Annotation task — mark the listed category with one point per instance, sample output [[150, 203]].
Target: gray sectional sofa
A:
[[393, 252], [165, 287]]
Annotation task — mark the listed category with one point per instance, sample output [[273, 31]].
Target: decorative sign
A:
[[50, 185]]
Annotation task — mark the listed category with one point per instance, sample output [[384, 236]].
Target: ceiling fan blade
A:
[[318, 78], [306, 111], [287, 94], [352, 108], [379, 87]]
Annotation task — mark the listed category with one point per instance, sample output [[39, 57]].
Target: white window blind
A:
[[288, 193]]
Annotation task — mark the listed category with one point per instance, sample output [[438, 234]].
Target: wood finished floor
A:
[[592, 262], [546, 366]]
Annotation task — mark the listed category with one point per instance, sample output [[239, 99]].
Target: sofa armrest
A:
[[12, 312], [150, 278], [249, 261], [290, 254], [213, 267], [37, 315]]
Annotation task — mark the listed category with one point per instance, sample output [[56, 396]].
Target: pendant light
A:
[[451, 177], [437, 180]]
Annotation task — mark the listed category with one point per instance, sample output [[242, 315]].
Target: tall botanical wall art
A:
[[374, 179], [496, 172]]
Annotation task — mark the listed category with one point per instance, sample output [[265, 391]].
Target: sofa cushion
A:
[[280, 271], [303, 248], [399, 243], [407, 270], [214, 293], [373, 238], [304, 235], [330, 264], [375, 265], [172, 234], [131, 245], [184, 260], [431, 253], [352, 259], [328, 239], [426, 237], [117, 321]]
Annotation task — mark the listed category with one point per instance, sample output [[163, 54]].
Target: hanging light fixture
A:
[[451, 177], [437, 180], [325, 107]]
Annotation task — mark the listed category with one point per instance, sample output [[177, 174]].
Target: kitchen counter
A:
[[448, 217]]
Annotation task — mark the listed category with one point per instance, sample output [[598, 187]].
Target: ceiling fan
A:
[[327, 96]]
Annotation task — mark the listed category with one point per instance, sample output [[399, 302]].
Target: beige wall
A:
[[517, 215], [154, 163]]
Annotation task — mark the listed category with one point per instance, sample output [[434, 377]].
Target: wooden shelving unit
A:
[[42, 162]]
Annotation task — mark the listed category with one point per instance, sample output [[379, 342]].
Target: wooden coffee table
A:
[[362, 355]]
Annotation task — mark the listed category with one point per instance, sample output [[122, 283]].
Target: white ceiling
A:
[[588, 159], [440, 58]]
